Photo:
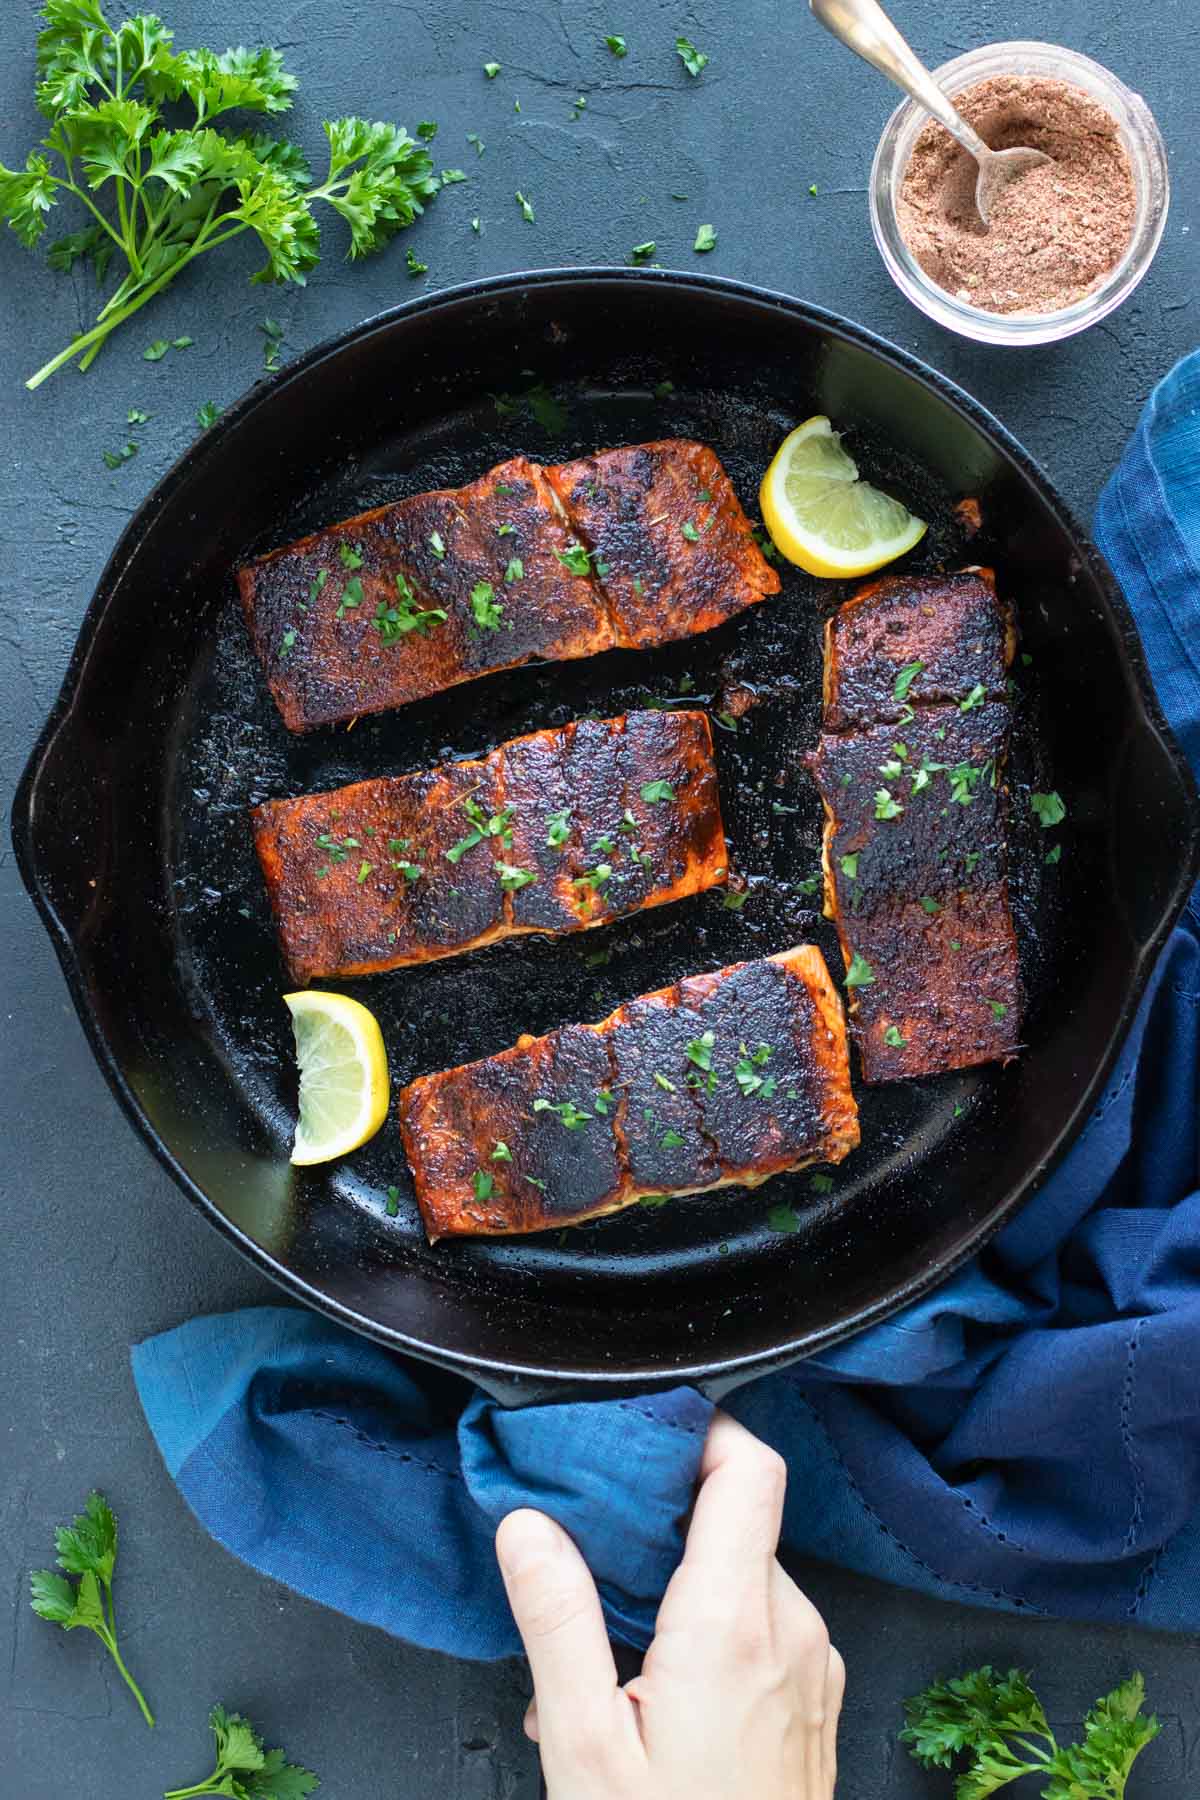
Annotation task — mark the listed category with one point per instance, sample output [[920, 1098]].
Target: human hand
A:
[[740, 1691]]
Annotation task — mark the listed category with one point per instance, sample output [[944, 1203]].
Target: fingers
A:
[[739, 1509], [835, 1691], [557, 1612]]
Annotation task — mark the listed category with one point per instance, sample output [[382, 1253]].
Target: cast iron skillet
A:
[[131, 831]]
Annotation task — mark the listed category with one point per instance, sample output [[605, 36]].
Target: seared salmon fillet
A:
[[558, 831], [915, 866], [722, 1079], [908, 639], [415, 597], [670, 543]]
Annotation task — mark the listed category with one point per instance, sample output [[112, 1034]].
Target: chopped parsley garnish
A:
[[364, 869], [809, 885], [653, 792], [501, 1153], [473, 137], [156, 351], [337, 851], [574, 559], [885, 806], [450, 177], [904, 680], [438, 545], [534, 1182], [893, 1038], [892, 768], [850, 865], [603, 1102], [672, 1140], [558, 828], [487, 610], [663, 1082], [1053, 856], [405, 615], [976, 697], [317, 585], [733, 899], [663, 390], [746, 1073], [641, 252], [955, 943], [654, 1200], [700, 1050], [427, 130], [778, 807], [498, 825], [411, 871], [515, 570], [706, 239], [484, 1184], [1048, 809], [907, 715], [286, 644], [512, 879], [114, 458], [639, 857], [526, 208], [860, 973], [689, 531], [782, 1219], [350, 555], [393, 1202], [352, 597], [971, 858], [491, 70], [566, 1111], [821, 1184], [929, 905], [726, 721], [594, 878], [208, 414], [135, 416], [604, 846], [617, 45], [998, 1008], [964, 779], [413, 264], [629, 825], [692, 59], [506, 530]]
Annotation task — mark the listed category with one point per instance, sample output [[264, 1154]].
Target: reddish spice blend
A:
[[1055, 232]]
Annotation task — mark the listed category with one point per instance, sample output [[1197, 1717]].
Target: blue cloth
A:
[[1026, 1437]]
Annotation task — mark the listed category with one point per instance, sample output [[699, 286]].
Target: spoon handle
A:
[[864, 27]]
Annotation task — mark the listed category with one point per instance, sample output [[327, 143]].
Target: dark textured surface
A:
[[100, 1250]]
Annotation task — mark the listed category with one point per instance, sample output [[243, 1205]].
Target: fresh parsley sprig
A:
[[999, 1722], [244, 1770], [87, 1548], [159, 196]]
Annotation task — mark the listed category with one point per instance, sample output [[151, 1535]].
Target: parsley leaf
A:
[[575, 559], [692, 59], [976, 697], [402, 616], [243, 1768], [558, 829], [849, 865], [1048, 809], [642, 252], [706, 239], [654, 792], [86, 1548], [782, 1219], [208, 414], [904, 680], [885, 806], [860, 973], [617, 45], [488, 612], [526, 208], [512, 879], [491, 70], [137, 133], [893, 1038], [566, 1111]]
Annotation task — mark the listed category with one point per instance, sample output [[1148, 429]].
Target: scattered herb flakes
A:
[[813, 189], [778, 807], [580, 102], [1053, 856], [746, 1072], [964, 779], [821, 1184], [413, 266], [849, 864], [475, 225], [904, 680], [180, 343], [654, 792], [114, 458], [664, 390], [958, 1111], [558, 829], [208, 414], [692, 59], [364, 869], [617, 45], [135, 416], [287, 644], [893, 1038], [565, 1111], [733, 899], [860, 973], [512, 879], [597, 959], [574, 559], [976, 697], [427, 130], [664, 1082], [956, 943], [706, 239], [474, 138], [782, 1219], [438, 545], [316, 586], [929, 905], [1048, 809], [603, 1102], [487, 611], [809, 885], [526, 208], [350, 556], [689, 531], [999, 1009], [393, 1202], [404, 615], [484, 1184], [970, 858], [451, 177], [642, 252], [726, 721], [885, 806], [699, 1050], [491, 70], [672, 1139], [156, 351], [654, 1200]]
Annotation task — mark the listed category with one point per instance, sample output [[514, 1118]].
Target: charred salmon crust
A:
[[912, 639], [525, 563], [722, 1079], [551, 832]]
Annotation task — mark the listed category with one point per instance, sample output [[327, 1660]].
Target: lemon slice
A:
[[822, 516], [343, 1075]]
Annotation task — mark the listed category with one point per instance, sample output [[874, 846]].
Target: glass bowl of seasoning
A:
[[1068, 241]]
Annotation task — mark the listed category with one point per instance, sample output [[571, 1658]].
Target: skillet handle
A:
[[61, 832]]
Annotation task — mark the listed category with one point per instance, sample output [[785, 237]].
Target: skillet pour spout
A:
[[132, 835]]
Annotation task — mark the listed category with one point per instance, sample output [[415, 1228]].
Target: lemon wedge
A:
[[821, 516], [344, 1085]]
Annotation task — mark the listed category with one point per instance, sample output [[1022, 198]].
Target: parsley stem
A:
[[130, 1683]]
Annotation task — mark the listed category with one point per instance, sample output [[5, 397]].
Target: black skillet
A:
[[131, 831]]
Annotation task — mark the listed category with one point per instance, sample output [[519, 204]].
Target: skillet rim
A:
[[520, 1382]]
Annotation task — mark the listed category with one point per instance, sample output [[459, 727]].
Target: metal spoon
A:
[[864, 27]]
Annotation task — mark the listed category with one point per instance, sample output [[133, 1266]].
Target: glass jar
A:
[[1147, 155]]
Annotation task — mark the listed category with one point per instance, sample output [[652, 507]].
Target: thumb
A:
[[558, 1614]]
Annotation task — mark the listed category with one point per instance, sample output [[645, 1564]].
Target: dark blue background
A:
[[99, 1250]]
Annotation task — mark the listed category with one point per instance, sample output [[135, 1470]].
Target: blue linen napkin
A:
[[1028, 1437]]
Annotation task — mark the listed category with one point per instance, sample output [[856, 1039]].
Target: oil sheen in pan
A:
[[759, 678]]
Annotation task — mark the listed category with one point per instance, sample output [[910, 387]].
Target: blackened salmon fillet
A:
[[555, 832], [630, 547], [910, 768], [721, 1080]]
